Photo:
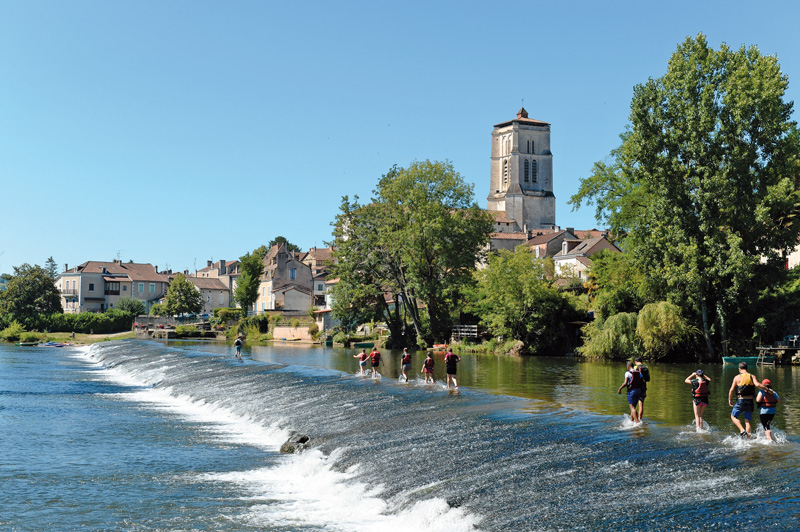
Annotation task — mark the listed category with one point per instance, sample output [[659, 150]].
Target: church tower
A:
[[522, 173]]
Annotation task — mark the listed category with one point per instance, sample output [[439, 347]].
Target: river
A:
[[181, 436]]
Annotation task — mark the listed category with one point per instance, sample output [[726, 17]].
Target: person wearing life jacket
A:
[[642, 369], [376, 361], [427, 367], [362, 361], [767, 399], [700, 393], [405, 363], [744, 384], [451, 361], [634, 382]]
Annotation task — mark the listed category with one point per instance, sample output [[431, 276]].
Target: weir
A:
[[392, 456]]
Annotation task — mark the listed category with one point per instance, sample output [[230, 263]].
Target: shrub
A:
[[340, 338], [661, 328], [131, 305], [313, 331], [31, 337], [295, 322], [158, 309], [187, 330], [615, 338], [227, 314], [13, 332]]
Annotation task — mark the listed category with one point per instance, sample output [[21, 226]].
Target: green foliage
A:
[[246, 293], [130, 305], [704, 184], [51, 268], [31, 337], [183, 297], [29, 293], [340, 337], [313, 331], [158, 309], [614, 339], [419, 240], [111, 321], [226, 314], [616, 284], [515, 299], [295, 322], [661, 328], [186, 330], [13, 332]]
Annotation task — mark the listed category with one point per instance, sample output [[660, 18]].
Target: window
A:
[[125, 288], [292, 273], [534, 171], [320, 288], [91, 287], [73, 284], [152, 288], [526, 171], [505, 174], [141, 287]]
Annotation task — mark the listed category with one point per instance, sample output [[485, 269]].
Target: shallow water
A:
[[143, 436]]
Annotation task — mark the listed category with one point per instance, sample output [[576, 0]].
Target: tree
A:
[[30, 293], [182, 297], [130, 305], [419, 239], [704, 183], [282, 240], [157, 309], [51, 267], [515, 299], [246, 293]]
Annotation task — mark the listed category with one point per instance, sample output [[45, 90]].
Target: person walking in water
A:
[[767, 400], [362, 361], [451, 361], [427, 367], [744, 384], [376, 361], [405, 363], [642, 369], [699, 382], [238, 345], [634, 383]]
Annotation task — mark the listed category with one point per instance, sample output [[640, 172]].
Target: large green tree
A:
[[423, 235], [29, 293], [251, 268], [131, 305], [182, 297], [705, 181], [516, 299]]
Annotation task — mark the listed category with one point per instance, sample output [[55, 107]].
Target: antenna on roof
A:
[[119, 253]]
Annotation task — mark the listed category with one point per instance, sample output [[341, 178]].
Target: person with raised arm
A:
[[634, 383], [699, 381]]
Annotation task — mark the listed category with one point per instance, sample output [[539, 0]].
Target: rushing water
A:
[[143, 436]]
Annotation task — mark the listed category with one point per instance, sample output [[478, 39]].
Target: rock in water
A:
[[295, 444]]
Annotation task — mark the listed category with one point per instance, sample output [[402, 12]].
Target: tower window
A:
[[526, 171], [534, 171], [505, 174]]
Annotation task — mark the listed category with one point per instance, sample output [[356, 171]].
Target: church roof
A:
[[522, 118]]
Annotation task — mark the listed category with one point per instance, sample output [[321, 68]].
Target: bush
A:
[[661, 329], [130, 305], [295, 322], [13, 332], [313, 331], [186, 331], [158, 309], [31, 337], [227, 314], [340, 338], [615, 338]]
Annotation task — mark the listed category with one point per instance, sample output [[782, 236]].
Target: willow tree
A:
[[419, 239], [704, 183]]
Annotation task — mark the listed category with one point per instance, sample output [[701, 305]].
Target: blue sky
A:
[[179, 132]]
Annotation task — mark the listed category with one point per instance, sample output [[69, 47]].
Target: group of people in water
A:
[[744, 385], [451, 361]]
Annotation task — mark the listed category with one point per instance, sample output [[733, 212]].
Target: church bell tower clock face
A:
[[521, 181]]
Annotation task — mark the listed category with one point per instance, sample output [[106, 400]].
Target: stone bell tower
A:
[[522, 173]]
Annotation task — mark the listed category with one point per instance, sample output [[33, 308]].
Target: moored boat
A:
[[767, 359], [364, 344]]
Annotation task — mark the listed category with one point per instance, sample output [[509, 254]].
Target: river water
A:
[[147, 436]]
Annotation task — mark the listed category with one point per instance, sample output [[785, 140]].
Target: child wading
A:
[[700, 392], [362, 361], [427, 367]]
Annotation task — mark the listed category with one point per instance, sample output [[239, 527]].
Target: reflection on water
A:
[[589, 386]]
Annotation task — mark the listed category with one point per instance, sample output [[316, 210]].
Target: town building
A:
[[286, 283], [574, 259], [95, 286], [226, 272]]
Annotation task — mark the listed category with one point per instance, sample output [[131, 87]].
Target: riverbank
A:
[[81, 338]]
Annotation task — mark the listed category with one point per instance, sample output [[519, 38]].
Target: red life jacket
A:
[[429, 363], [376, 357], [406, 358], [768, 400], [701, 390], [363, 356]]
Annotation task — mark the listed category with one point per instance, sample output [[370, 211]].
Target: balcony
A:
[[70, 292]]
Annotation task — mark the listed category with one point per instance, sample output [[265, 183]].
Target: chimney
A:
[[571, 230], [222, 269], [66, 267], [186, 273], [156, 267]]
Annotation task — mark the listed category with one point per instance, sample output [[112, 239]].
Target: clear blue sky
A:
[[182, 131]]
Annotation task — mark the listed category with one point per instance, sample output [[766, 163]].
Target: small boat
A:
[[440, 347], [26, 344], [768, 359], [329, 342], [363, 344]]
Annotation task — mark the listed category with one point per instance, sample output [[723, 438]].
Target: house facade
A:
[[226, 272], [575, 255], [286, 283], [214, 292], [95, 286]]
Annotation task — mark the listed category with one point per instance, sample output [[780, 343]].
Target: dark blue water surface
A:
[[141, 436]]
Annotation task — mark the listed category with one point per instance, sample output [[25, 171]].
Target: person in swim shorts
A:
[[767, 399], [427, 367], [700, 392], [362, 361], [744, 384], [405, 363], [376, 361], [634, 387], [451, 361]]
